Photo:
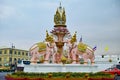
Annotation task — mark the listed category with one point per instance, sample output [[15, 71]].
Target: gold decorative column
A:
[[60, 29]]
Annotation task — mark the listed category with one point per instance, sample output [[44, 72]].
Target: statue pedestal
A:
[[37, 68], [63, 69]]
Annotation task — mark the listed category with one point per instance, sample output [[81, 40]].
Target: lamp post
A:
[[15, 64], [10, 56], [10, 59]]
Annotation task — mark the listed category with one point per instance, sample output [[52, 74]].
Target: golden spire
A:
[[49, 38], [47, 35], [73, 39], [60, 17]]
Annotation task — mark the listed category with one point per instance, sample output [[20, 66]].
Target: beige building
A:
[[12, 55]]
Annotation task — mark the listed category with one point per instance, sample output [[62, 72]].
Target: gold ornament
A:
[[41, 46], [73, 39], [82, 47], [63, 59], [60, 17], [49, 38], [63, 16], [47, 35]]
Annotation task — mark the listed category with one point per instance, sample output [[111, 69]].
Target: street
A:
[[117, 77], [2, 75]]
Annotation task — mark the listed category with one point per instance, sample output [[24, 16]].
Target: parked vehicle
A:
[[115, 69], [21, 63]]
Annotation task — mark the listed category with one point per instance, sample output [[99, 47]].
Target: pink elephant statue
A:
[[88, 55], [45, 49], [75, 51]]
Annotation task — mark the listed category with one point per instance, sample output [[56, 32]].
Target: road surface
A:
[[2, 75]]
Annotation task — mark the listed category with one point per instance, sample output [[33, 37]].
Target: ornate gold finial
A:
[[49, 38], [60, 17], [73, 39], [47, 35]]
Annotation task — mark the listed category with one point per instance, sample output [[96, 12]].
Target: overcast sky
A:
[[24, 22]]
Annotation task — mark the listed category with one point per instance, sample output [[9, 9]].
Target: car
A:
[[115, 69]]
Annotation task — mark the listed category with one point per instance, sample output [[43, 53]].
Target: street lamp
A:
[[10, 56], [10, 59]]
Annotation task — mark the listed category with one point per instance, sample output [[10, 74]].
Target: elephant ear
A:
[[82, 47], [41, 46]]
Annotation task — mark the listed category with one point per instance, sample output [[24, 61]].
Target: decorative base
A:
[[59, 68], [58, 25]]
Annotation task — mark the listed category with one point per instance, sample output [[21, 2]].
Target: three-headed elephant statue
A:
[[80, 50], [45, 49]]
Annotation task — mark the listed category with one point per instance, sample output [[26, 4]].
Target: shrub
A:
[[60, 75]]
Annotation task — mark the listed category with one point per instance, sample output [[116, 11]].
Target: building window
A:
[[15, 59], [15, 52], [22, 53], [0, 59], [5, 51], [0, 51], [5, 59], [102, 56], [10, 59], [10, 51], [18, 59], [18, 53], [26, 54], [118, 58]]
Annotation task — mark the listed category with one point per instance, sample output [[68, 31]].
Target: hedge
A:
[[60, 75]]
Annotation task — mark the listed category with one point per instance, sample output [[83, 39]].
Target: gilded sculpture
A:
[[60, 17]]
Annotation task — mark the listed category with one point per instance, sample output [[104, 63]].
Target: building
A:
[[107, 58], [9, 56]]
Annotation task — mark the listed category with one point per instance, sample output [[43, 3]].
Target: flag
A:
[[94, 48], [80, 39], [106, 48]]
